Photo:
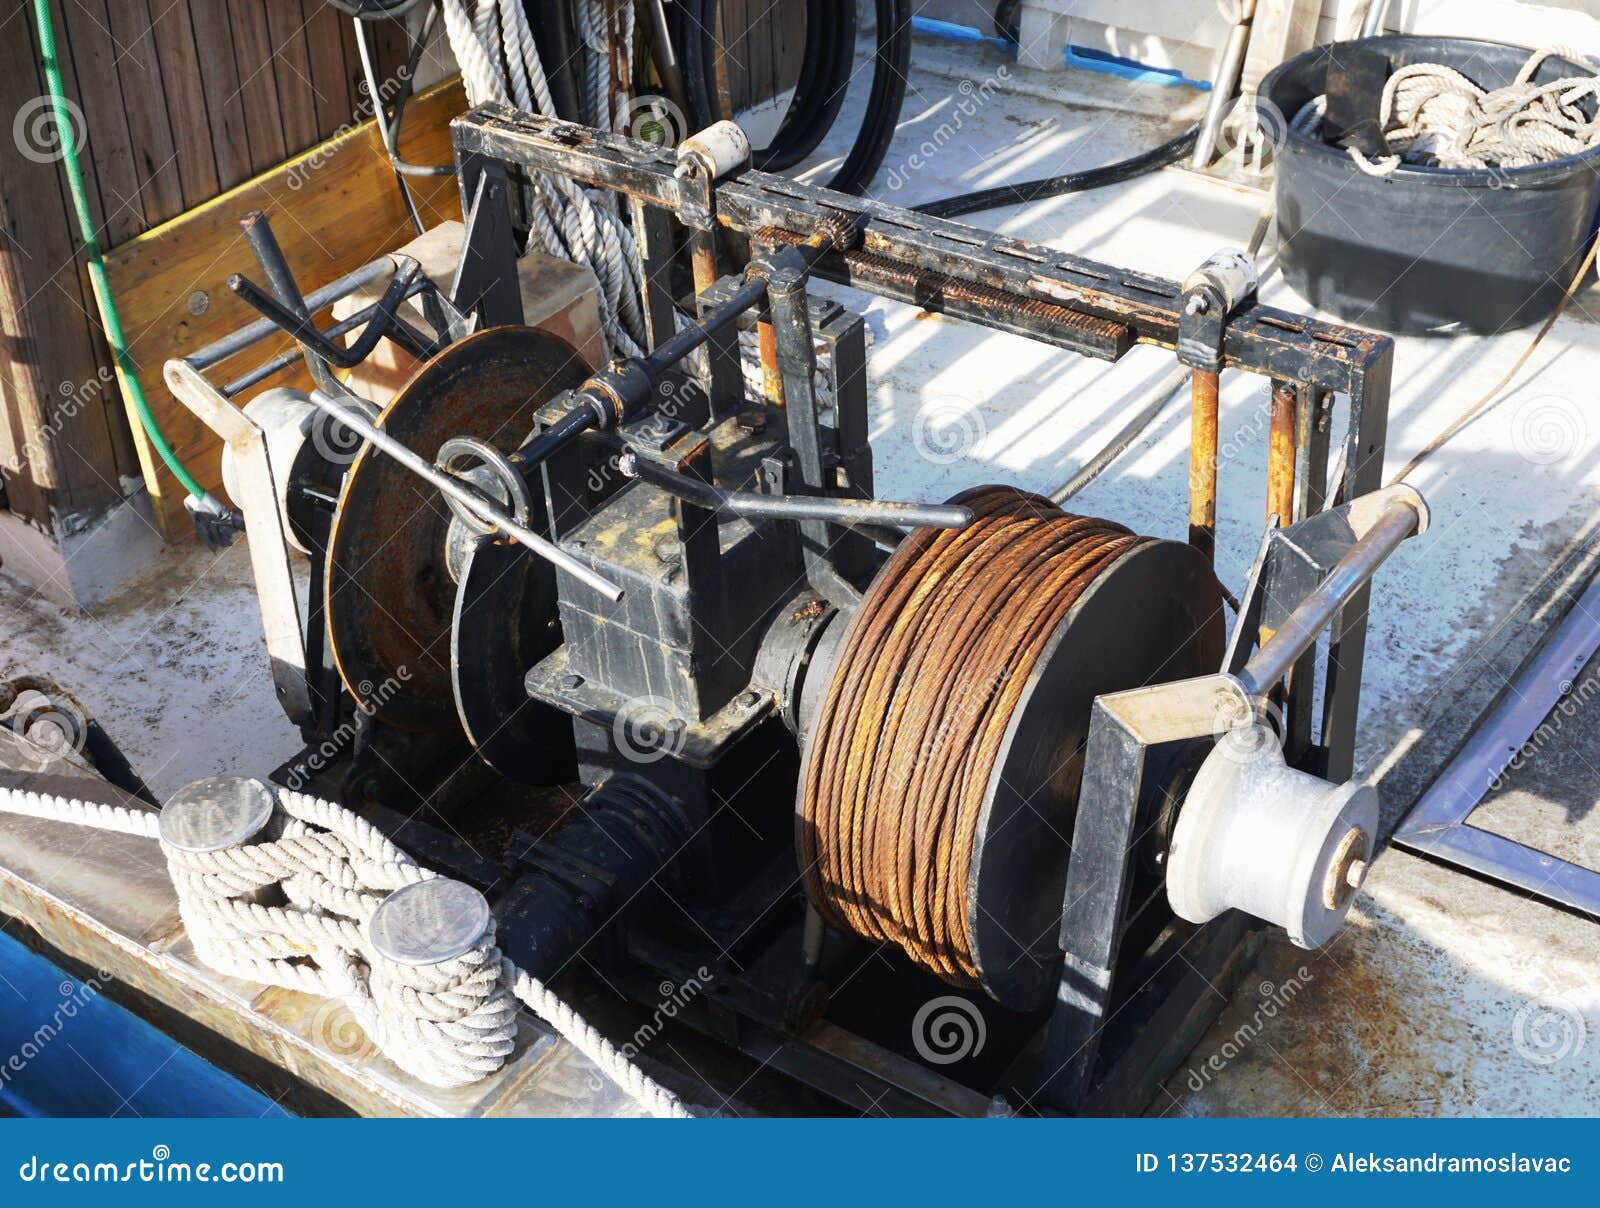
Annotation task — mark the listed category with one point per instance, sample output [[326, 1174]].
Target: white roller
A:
[[1256, 835]]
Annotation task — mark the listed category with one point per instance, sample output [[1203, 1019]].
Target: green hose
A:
[[97, 270]]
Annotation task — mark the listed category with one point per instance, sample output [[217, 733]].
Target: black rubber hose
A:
[[824, 78], [1072, 182]]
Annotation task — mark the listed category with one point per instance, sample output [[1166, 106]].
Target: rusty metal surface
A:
[[940, 292], [389, 596], [1281, 455], [1203, 462]]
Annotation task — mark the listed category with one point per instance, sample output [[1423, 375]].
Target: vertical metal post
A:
[[797, 362], [1281, 454], [1203, 463], [486, 278], [652, 230], [1369, 421]]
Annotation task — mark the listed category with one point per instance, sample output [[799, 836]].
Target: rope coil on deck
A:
[[928, 677], [448, 1024]]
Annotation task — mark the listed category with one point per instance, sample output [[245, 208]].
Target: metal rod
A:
[[1203, 463], [1281, 455], [554, 438], [672, 350], [1223, 86], [832, 508], [1360, 562], [304, 330], [463, 494], [1372, 20], [256, 330]]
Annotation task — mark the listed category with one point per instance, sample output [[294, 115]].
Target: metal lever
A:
[[1404, 513], [384, 321], [832, 508], [463, 494]]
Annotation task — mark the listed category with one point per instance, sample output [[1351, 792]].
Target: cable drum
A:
[[942, 770]]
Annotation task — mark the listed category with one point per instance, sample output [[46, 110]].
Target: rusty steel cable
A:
[[929, 673]]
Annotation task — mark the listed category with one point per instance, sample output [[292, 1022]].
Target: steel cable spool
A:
[[942, 769]]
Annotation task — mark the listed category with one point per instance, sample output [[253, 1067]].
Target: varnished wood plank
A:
[[330, 87], [291, 64], [258, 83], [185, 93], [83, 29], [219, 73], [332, 210], [139, 73], [60, 461]]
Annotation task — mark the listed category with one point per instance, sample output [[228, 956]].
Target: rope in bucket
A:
[[1435, 116]]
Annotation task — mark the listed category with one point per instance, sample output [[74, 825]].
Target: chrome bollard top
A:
[[430, 922], [216, 813]]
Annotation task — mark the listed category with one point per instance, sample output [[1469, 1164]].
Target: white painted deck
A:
[[1444, 994]]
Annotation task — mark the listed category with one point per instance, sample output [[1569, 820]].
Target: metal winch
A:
[[1017, 754]]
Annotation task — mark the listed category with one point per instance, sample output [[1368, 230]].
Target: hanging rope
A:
[[928, 677], [1433, 115], [499, 60], [448, 1024]]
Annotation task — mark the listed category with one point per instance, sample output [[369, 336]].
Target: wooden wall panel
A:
[[180, 100], [332, 210]]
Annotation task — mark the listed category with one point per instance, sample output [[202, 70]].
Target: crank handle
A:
[[464, 494], [832, 508]]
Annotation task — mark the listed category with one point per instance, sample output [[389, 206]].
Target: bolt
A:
[[1198, 305], [748, 700], [1345, 871]]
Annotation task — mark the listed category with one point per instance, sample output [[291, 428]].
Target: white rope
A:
[[1432, 114], [499, 60], [448, 1024]]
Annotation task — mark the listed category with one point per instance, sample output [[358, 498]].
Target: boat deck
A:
[[1441, 996]]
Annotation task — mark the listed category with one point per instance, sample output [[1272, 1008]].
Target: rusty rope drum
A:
[[942, 768]]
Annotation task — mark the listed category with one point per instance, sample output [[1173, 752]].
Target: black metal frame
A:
[[755, 239], [1056, 298], [995, 281]]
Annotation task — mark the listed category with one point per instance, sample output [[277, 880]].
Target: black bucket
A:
[[1426, 250]]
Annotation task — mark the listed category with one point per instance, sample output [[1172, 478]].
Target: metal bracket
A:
[[1437, 824], [269, 544]]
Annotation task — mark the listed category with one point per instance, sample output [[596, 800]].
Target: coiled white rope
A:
[[448, 1024], [499, 60], [1432, 114]]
